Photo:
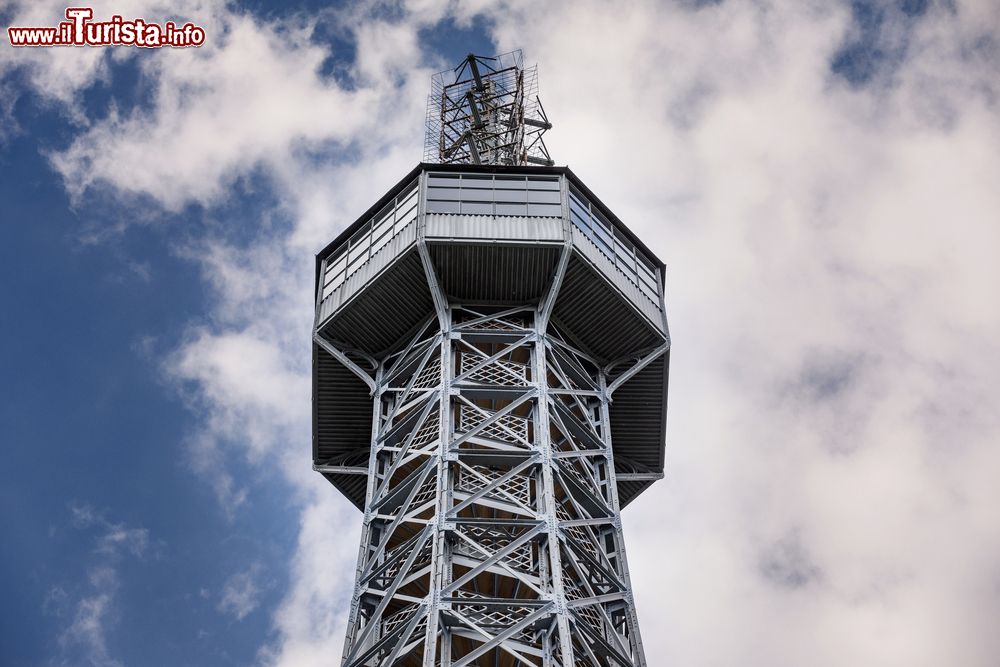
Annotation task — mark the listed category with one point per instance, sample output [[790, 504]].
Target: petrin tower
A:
[[490, 387]]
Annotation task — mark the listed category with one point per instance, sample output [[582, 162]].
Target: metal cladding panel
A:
[[442, 226], [495, 272], [628, 491], [599, 317], [381, 314], [342, 421], [367, 271], [352, 486], [631, 291], [638, 418]]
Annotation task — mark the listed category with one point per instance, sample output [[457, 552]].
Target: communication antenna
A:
[[487, 111]]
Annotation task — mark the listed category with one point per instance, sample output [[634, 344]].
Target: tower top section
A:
[[486, 111]]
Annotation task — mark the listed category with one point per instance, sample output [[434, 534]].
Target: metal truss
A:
[[491, 529], [486, 111]]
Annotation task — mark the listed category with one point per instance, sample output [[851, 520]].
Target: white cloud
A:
[[120, 537], [241, 593], [249, 97], [114, 538], [88, 630], [94, 611], [831, 472], [85, 516], [832, 312], [251, 399], [57, 75]]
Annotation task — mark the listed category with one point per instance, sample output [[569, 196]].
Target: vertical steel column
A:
[[441, 555], [634, 636], [544, 446], [352, 619]]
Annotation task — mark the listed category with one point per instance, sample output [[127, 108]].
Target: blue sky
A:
[[818, 177], [90, 425]]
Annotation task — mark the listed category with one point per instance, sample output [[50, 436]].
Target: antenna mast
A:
[[487, 111]]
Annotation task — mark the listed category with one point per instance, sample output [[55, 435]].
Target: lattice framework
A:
[[486, 111], [491, 530]]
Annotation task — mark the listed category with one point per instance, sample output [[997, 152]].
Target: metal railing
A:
[[494, 194], [491, 195], [613, 243], [393, 218]]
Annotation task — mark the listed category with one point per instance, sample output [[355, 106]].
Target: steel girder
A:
[[491, 530]]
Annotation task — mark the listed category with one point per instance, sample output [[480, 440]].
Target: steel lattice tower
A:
[[489, 388]]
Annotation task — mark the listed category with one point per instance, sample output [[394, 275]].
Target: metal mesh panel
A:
[[499, 372], [518, 487], [492, 539], [486, 111], [508, 428]]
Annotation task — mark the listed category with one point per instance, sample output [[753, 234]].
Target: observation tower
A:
[[490, 366]]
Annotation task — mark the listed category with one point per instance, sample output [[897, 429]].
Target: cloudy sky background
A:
[[821, 179]]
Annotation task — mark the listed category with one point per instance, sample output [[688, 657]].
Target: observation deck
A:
[[495, 236]]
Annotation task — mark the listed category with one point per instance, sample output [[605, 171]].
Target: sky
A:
[[820, 178]]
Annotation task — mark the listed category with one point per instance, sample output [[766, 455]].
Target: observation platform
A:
[[495, 236]]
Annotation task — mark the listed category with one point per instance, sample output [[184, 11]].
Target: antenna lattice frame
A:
[[486, 111]]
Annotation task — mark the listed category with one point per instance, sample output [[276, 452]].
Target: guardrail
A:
[[494, 195], [614, 245], [392, 219]]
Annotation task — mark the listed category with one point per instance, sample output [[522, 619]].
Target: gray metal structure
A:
[[489, 388], [486, 111]]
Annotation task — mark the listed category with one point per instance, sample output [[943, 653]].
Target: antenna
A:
[[486, 111]]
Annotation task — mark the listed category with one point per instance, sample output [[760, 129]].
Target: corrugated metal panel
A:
[[638, 425], [360, 278], [380, 316], [628, 491], [489, 227], [594, 314], [352, 486], [342, 419], [631, 291], [637, 417], [496, 272]]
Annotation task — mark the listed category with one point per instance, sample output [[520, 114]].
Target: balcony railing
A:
[[372, 237], [529, 195], [614, 245], [494, 194]]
